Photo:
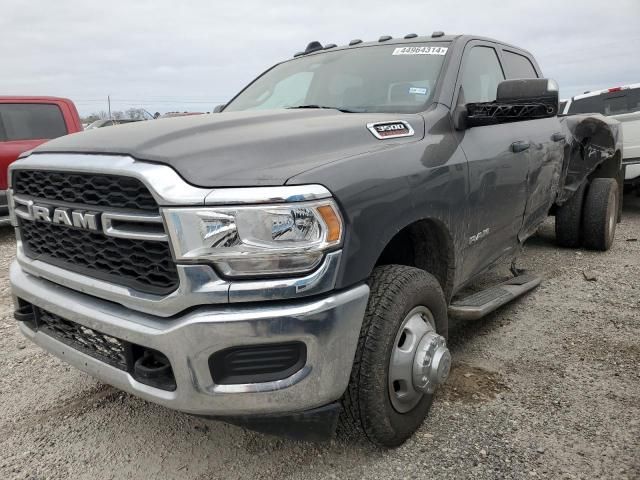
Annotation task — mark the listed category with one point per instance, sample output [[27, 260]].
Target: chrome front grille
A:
[[125, 242]]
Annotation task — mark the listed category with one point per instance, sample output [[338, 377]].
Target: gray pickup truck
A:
[[291, 263]]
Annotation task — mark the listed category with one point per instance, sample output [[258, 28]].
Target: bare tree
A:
[[135, 113], [90, 118], [102, 115]]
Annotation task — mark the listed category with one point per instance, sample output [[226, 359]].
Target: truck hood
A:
[[240, 148]]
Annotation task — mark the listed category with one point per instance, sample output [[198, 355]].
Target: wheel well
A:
[[610, 168], [425, 244]]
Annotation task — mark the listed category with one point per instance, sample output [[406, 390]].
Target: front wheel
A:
[[401, 357]]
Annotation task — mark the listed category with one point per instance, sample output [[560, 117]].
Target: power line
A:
[[149, 99]]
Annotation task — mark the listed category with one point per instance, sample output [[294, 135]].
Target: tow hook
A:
[[154, 369]]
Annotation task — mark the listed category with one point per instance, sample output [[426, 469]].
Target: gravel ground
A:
[[548, 387]]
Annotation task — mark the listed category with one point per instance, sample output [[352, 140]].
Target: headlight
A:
[[256, 240]]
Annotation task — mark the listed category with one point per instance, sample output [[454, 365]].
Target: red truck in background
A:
[[25, 123]]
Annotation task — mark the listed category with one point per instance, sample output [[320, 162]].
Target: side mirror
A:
[[532, 90], [218, 108], [516, 100]]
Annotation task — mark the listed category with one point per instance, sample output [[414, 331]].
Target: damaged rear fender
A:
[[594, 144]]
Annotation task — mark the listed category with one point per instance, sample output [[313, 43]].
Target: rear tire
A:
[[600, 214], [367, 406], [569, 220]]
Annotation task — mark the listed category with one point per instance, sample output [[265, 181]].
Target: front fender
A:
[[382, 192]]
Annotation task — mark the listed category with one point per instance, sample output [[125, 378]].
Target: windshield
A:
[[388, 78]]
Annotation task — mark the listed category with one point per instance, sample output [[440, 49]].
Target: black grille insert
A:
[[143, 265], [96, 344], [146, 365], [84, 188]]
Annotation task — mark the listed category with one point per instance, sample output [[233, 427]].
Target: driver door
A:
[[498, 160]]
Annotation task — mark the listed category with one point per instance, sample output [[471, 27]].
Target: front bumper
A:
[[328, 325]]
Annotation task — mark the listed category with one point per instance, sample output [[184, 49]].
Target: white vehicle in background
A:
[[623, 104], [561, 105]]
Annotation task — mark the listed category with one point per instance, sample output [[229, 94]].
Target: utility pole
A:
[[109, 102]]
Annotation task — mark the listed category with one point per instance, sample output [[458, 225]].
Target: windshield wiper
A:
[[323, 107]]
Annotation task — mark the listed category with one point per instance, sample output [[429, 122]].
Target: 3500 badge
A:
[[394, 129]]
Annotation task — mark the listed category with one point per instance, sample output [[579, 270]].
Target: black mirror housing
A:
[[527, 91], [516, 100]]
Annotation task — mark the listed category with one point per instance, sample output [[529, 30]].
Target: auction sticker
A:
[[420, 51], [418, 90]]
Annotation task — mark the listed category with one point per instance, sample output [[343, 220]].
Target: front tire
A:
[[600, 214], [399, 294]]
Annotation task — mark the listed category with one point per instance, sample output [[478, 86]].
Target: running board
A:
[[486, 301]]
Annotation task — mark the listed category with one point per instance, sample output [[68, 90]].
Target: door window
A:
[[481, 75], [518, 66]]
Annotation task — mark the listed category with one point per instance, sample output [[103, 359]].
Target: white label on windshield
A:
[[418, 90], [420, 51]]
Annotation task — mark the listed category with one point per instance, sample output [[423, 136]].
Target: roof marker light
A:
[[384, 38], [355, 42], [411, 35], [313, 47], [437, 33]]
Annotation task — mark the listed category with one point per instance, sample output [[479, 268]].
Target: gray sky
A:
[[191, 55]]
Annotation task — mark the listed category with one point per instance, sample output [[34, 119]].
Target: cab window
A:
[[481, 75], [518, 66], [608, 103], [30, 121]]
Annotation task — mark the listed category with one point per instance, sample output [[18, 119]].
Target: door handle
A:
[[517, 147], [558, 137]]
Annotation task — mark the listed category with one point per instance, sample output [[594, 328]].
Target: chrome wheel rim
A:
[[418, 322]]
